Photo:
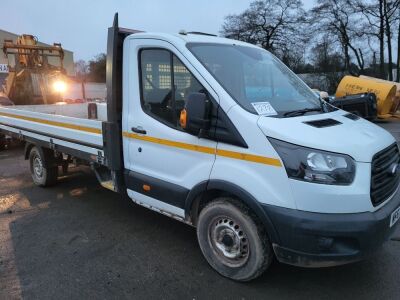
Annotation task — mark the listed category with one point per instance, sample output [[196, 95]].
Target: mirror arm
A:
[[206, 122], [203, 131]]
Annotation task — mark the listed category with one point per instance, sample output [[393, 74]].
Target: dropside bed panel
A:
[[82, 136]]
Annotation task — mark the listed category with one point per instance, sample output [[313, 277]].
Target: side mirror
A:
[[194, 117]]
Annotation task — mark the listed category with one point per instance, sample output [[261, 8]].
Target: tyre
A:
[[3, 142], [43, 172], [232, 241]]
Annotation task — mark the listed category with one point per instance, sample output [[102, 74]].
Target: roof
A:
[[188, 38]]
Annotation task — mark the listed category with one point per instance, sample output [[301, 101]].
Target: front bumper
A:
[[321, 240]]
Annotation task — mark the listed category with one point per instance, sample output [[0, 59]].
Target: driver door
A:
[[164, 162]]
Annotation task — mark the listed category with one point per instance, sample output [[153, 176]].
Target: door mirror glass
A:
[[194, 117]]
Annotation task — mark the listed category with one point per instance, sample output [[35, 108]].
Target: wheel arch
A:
[[207, 191], [27, 150], [48, 154]]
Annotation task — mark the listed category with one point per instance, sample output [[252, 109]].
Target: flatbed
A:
[[63, 127]]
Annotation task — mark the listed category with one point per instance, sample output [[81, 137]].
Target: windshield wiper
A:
[[301, 112]]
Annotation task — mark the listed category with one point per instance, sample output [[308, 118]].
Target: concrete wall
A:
[[93, 91]]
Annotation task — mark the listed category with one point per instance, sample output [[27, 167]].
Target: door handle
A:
[[139, 130]]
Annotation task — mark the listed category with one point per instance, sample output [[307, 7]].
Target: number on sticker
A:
[[264, 108]]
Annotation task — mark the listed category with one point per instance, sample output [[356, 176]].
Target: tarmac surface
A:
[[77, 240]]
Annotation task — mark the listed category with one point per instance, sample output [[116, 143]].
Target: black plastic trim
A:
[[193, 194], [112, 134], [311, 239], [115, 40], [112, 143], [322, 123], [351, 116], [223, 130], [241, 195], [161, 190], [383, 185]]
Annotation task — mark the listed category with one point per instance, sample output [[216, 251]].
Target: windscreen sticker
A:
[[264, 108]]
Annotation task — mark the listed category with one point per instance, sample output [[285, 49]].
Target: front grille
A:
[[383, 182]]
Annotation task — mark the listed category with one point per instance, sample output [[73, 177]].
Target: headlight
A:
[[315, 166], [59, 86]]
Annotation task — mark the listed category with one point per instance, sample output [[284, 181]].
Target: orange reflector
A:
[[146, 187], [183, 118]]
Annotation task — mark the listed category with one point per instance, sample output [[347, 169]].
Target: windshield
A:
[[256, 79]]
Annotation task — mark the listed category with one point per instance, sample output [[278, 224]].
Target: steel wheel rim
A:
[[229, 241], [37, 166]]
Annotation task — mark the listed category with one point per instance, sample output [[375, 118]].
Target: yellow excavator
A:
[[36, 72]]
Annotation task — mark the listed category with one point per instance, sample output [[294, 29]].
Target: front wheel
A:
[[232, 241], [43, 172]]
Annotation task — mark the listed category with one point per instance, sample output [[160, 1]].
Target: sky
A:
[[81, 26]]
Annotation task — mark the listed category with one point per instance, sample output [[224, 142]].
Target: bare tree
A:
[[92, 71], [398, 48], [373, 14], [329, 61], [272, 24], [97, 68], [380, 15], [326, 58], [81, 69], [389, 10], [340, 21], [335, 36]]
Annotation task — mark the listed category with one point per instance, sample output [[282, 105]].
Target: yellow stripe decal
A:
[[53, 123], [250, 157], [225, 153]]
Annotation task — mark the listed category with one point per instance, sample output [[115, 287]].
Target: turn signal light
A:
[[183, 118]]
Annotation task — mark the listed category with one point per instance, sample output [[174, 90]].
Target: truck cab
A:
[[252, 134]]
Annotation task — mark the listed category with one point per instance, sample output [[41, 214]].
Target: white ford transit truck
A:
[[221, 135]]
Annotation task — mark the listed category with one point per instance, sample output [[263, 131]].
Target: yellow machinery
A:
[[396, 100], [385, 92], [36, 73]]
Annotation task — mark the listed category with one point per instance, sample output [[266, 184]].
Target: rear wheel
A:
[[232, 241], [43, 172], [3, 142]]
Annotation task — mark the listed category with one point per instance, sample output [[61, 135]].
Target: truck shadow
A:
[[78, 240]]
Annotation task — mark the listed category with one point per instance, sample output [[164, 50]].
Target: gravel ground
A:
[[78, 240]]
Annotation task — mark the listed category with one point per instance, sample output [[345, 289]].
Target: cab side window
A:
[[166, 85], [157, 84]]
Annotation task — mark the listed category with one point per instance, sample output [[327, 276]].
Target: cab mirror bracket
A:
[[195, 117]]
